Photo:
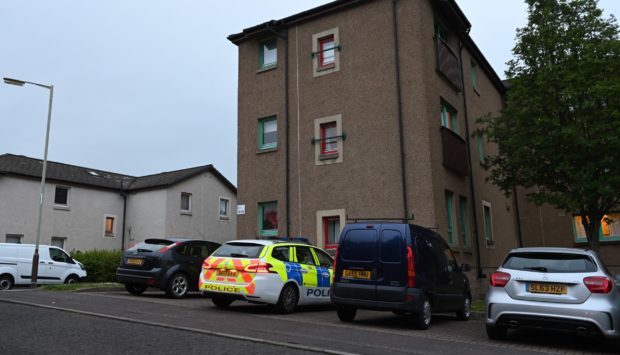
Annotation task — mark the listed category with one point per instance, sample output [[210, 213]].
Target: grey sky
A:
[[146, 86]]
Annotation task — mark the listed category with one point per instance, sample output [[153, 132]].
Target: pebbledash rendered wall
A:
[[362, 93]]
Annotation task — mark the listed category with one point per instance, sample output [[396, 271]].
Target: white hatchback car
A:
[[561, 289]]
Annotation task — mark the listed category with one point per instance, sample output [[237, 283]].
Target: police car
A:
[[276, 272]]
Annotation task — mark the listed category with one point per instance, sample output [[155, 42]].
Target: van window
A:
[[390, 247], [60, 256], [359, 245]]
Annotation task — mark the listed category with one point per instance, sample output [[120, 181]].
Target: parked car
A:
[[398, 267], [170, 264], [55, 265], [554, 288], [280, 273]]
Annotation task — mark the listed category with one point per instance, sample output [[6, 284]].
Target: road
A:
[[38, 321]]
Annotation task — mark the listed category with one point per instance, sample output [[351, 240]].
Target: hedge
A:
[[100, 265]]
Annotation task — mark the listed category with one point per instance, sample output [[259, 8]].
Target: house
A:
[[367, 109], [88, 208]]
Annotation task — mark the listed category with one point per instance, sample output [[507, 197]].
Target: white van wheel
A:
[[6, 282], [71, 279]]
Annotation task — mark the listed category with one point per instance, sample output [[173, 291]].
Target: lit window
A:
[[268, 53], [488, 225], [329, 142], [224, 207], [327, 51], [331, 231], [609, 230], [450, 217], [109, 226], [448, 117], [268, 133], [268, 218], [61, 197], [186, 202]]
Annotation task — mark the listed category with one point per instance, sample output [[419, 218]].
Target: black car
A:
[[171, 264], [398, 267]]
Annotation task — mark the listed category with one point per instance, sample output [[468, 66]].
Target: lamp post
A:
[[35, 258]]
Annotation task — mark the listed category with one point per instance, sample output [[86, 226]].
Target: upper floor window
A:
[[267, 133], [224, 208], [325, 52], [474, 76], [61, 196], [186, 202], [268, 53], [329, 141], [268, 218], [448, 117], [487, 217], [609, 231]]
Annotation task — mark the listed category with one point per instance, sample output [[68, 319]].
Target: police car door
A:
[[309, 293], [325, 271]]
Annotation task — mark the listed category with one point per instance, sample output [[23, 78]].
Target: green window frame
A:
[[449, 117], [450, 215], [608, 232], [268, 53], [268, 218], [474, 76], [487, 216], [464, 226], [268, 133]]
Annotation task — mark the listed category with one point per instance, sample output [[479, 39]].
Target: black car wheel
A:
[[346, 314], [135, 289], [497, 332], [177, 286], [288, 299], [71, 279], [6, 282], [221, 302], [465, 312], [422, 319]]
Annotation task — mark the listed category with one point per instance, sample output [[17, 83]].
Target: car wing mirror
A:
[[465, 267]]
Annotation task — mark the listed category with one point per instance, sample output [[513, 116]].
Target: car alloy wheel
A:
[[288, 299], [178, 286]]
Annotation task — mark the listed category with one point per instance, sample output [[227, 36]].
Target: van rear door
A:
[[356, 272], [392, 264]]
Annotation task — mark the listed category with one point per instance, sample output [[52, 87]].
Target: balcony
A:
[[454, 152], [448, 64]]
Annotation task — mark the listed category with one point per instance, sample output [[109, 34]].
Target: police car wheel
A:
[[346, 314], [221, 302], [288, 299]]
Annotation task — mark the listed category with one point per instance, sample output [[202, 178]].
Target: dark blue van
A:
[[398, 267]]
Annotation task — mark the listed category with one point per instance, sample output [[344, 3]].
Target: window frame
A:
[[474, 76], [331, 157], [261, 133], [326, 241], [488, 223], [61, 239], [449, 117], [187, 211], [261, 54], [219, 208], [61, 206], [261, 210], [109, 233], [317, 55], [579, 235], [324, 138], [320, 227], [19, 238], [322, 42]]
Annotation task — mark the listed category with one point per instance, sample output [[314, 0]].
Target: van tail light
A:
[[499, 279], [260, 268], [598, 284], [410, 268], [168, 247]]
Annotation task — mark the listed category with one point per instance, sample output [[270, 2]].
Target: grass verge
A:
[[81, 286], [478, 306]]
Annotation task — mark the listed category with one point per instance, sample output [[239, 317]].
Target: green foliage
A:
[[100, 265], [82, 286], [559, 135]]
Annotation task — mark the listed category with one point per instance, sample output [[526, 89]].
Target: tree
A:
[[559, 134]]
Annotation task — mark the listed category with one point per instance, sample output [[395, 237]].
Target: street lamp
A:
[[35, 258]]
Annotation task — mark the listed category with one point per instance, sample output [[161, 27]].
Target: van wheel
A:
[[71, 279], [288, 299], [221, 302], [6, 282], [177, 286], [422, 320], [465, 312], [135, 289], [346, 314], [497, 332]]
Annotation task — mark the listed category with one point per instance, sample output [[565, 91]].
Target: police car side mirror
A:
[[465, 267]]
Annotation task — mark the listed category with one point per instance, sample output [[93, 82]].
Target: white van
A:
[[55, 265]]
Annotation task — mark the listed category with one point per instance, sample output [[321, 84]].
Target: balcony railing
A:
[[454, 152], [448, 63]]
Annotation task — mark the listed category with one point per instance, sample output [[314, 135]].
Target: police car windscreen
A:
[[239, 250]]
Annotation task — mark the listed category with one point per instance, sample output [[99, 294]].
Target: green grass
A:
[[478, 306], [81, 286]]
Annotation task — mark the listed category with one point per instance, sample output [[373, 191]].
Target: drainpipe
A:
[[284, 37], [518, 216], [124, 194], [479, 273], [399, 109]]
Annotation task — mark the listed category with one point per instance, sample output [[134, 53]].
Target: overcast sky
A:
[[146, 86]]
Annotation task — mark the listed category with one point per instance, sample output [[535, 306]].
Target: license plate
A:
[[226, 273], [132, 261], [554, 289], [356, 274]]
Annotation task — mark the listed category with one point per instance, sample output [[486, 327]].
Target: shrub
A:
[[100, 264]]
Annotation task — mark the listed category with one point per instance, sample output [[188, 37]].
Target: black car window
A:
[[281, 253], [439, 256], [324, 259], [239, 250], [452, 266], [358, 245], [390, 246], [60, 256], [550, 262], [150, 245], [304, 256], [198, 251]]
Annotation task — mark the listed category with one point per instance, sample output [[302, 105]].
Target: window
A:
[[609, 231], [474, 76], [268, 218], [327, 52], [480, 144], [109, 226], [281, 253], [61, 197], [304, 255], [58, 242], [488, 225], [60, 256], [440, 32], [267, 133], [331, 231], [268, 54], [329, 224], [329, 142], [450, 216], [186, 203], [224, 208], [324, 259], [14, 238], [463, 222], [448, 117]]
